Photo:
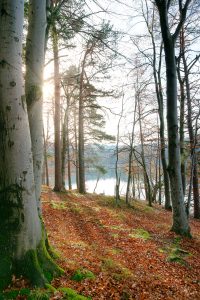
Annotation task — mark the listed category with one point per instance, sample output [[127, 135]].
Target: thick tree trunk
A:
[[33, 84], [22, 249], [57, 143], [180, 222]]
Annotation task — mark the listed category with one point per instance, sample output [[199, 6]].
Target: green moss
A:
[[24, 292], [5, 271], [29, 267], [38, 266], [11, 294], [82, 274], [175, 253], [71, 294], [39, 295], [140, 233], [58, 205], [33, 94]]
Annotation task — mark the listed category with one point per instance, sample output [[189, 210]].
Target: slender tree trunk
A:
[[133, 185], [68, 145], [182, 112], [96, 184], [76, 150], [131, 155], [81, 144], [180, 221], [57, 146], [68, 155], [159, 94], [64, 146], [192, 137], [46, 169], [147, 184], [117, 175], [22, 249]]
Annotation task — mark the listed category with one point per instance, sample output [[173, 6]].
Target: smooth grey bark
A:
[[16, 172], [65, 141], [57, 143], [180, 221], [35, 44], [20, 227]]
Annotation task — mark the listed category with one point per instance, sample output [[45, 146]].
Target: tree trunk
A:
[[192, 137], [180, 222], [147, 184], [182, 112], [131, 156], [68, 153], [76, 150], [159, 95], [22, 248], [64, 145], [46, 169], [81, 146], [57, 145], [35, 44]]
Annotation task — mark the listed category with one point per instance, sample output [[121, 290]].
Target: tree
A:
[[22, 249], [156, 64], [180, 222], [92, 56], [35, 47]]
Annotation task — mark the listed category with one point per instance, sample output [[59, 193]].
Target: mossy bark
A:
[[36, 264]]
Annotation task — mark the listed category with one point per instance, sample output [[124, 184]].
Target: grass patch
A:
[[58, 205], [71, 294], [116, 270], [140, 233], [82, 274]]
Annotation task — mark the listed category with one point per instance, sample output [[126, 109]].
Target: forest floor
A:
[[119, 253]]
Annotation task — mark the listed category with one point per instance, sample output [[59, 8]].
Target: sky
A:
[[123, 17]]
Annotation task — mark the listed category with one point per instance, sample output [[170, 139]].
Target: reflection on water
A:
[[105, 186]]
